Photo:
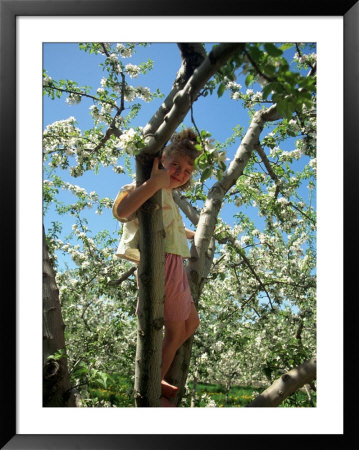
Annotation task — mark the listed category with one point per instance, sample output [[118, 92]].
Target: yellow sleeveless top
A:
[[175, 239]]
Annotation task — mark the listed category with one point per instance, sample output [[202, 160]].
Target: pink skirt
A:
[[178, 297]]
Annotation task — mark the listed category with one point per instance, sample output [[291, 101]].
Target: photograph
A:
[[181, 214]]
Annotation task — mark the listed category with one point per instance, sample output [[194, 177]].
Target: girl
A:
[[180, 315]]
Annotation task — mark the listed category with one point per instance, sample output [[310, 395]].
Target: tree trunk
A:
[[193, 393], [56, 383], [151, 295], [286, 385], [307, 390]]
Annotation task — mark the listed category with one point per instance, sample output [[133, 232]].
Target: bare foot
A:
[[168, 390]]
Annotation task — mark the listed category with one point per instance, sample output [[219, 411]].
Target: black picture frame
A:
[[9, 11]]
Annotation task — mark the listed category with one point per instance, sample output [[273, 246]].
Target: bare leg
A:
[[176, 333], [191, 324], [173, 339]]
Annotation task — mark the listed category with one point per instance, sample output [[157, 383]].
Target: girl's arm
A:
[[160, 179], [189, 233]]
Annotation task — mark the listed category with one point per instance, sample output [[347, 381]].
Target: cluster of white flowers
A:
[[103, 113], [113, 58], [76, 190], [132, 70], [85, 265], [311, 185], [313, 163], [303, 58], [46, 80], [118, 169], [141, 92], [301, 146], [235, 95], [61, 136], [73, 98], [289, 156], [125, 52], [218, 346], [282, 201], [127, 141], [275, 152], [107, 46], [106, 108], [235, 89], [294, 124], [62, 126], [245, 240], [233, 85], [95, 112], [210, 403], [253, 97], [77, 256]]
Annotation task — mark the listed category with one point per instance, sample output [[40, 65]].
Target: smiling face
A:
[[180, 168]]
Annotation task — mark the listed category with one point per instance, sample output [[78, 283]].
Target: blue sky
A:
[[67, 61]]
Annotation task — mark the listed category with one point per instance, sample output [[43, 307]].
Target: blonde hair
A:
[[183, 144]]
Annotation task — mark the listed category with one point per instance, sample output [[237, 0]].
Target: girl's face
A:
[[180, 168]]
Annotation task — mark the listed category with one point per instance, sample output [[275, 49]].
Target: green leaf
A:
[[268, 88], [272, 50], [221, 89], [286, 46], [255, 53], [206, 174], [249, 79]]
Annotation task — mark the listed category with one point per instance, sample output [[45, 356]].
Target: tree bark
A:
[[151, 291], [151, 268], [286, 385], [56, 382]]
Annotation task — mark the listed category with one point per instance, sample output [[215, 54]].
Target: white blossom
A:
[[125, 52], [46, 80], [132, 70], [143, 93], [73, 99]]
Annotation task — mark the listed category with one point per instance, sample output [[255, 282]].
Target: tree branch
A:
[[276, 180], [183, 75], [286, 385], [257, 68], [182, 99], [123, 277], [189, 211], [238, 248], [213, 204]]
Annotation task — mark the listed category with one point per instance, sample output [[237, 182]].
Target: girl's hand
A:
[[161, 177], [190, 234]]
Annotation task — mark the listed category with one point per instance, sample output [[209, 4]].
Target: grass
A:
[[238, 396], [241, 396], [118, 392]]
